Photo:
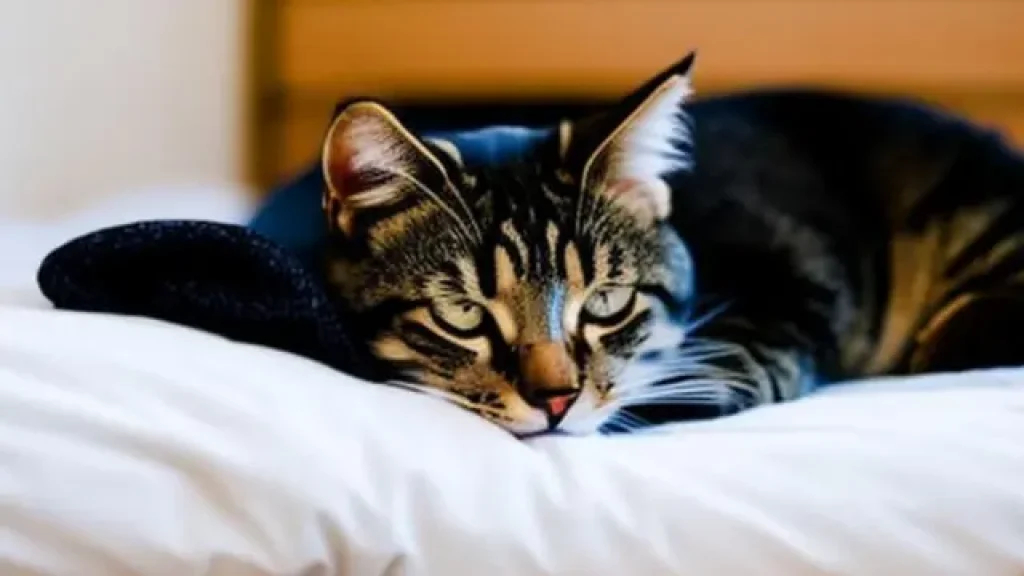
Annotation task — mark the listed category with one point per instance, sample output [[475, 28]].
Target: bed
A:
[[134, 446]]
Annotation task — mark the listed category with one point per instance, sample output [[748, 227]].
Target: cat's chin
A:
[[582, 419], [528, 423]]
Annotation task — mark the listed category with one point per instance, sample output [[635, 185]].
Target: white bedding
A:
[[129, 446]]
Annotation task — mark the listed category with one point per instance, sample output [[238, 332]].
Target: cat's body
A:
[[668, 261], [847, 224]]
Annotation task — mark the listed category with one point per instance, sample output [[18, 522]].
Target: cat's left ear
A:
[[626, 153], [374, 167]]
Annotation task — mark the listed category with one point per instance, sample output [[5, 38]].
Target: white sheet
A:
[[128, 446]]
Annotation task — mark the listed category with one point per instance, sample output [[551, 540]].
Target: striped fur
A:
[[832, 237]]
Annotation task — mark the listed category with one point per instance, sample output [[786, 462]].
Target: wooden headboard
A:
[[968, 55]]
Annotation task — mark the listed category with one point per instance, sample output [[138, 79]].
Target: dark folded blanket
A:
[[221, 278]]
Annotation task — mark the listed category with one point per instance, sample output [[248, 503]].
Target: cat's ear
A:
[[372, 163], [626, 153]]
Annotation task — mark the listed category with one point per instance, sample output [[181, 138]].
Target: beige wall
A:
[[98, 97]]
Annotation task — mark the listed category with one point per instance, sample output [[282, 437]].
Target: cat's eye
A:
[[606, 304], [459, 316]]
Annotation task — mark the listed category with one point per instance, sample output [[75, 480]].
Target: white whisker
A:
[[626, 422], [707, 400], [689, 384], [674, 382], [686, 367], [684, 389], [697, 323], [681, 370], [697, 354], [699, 343], [724, 394]]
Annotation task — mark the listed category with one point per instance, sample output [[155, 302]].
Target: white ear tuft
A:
[[632, 162], [647, 145]]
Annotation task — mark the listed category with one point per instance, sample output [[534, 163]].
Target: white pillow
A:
[[129, 446]]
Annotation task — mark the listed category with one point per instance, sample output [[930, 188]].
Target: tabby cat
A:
[[667, 259]]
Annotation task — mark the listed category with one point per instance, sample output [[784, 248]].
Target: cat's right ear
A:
[[625, 153], [373, 164]]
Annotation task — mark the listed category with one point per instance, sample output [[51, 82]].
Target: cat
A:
[[668, 258]]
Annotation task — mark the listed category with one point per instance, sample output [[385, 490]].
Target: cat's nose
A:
[[556, 406], [548, 380]]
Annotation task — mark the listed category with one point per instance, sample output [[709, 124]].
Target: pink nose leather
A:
[[557, 406], [548, 378]]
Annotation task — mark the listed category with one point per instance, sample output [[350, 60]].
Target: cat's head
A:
[[519, 291]]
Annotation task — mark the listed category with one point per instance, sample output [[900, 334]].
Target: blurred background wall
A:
[[100, 97]]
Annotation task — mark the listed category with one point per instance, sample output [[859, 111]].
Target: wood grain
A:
[[574, 47], [965, 54]]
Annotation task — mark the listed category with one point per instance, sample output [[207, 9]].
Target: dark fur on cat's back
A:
[[800, 200], [833, 236]]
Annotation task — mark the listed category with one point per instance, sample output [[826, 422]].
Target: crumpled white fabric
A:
[[129, 446]]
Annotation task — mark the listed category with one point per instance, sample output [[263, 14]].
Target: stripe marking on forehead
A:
[[602, 263], [576, 284], [552, 238], [504, 271], [468, 275], [574, 268], [508, 230]]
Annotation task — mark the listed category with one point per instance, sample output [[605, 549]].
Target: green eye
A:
[[459, 316], [607, 303]]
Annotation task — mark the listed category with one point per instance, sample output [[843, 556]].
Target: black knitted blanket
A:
[[222, 278]]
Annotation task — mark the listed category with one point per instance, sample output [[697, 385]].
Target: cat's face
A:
[[523, 291]]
